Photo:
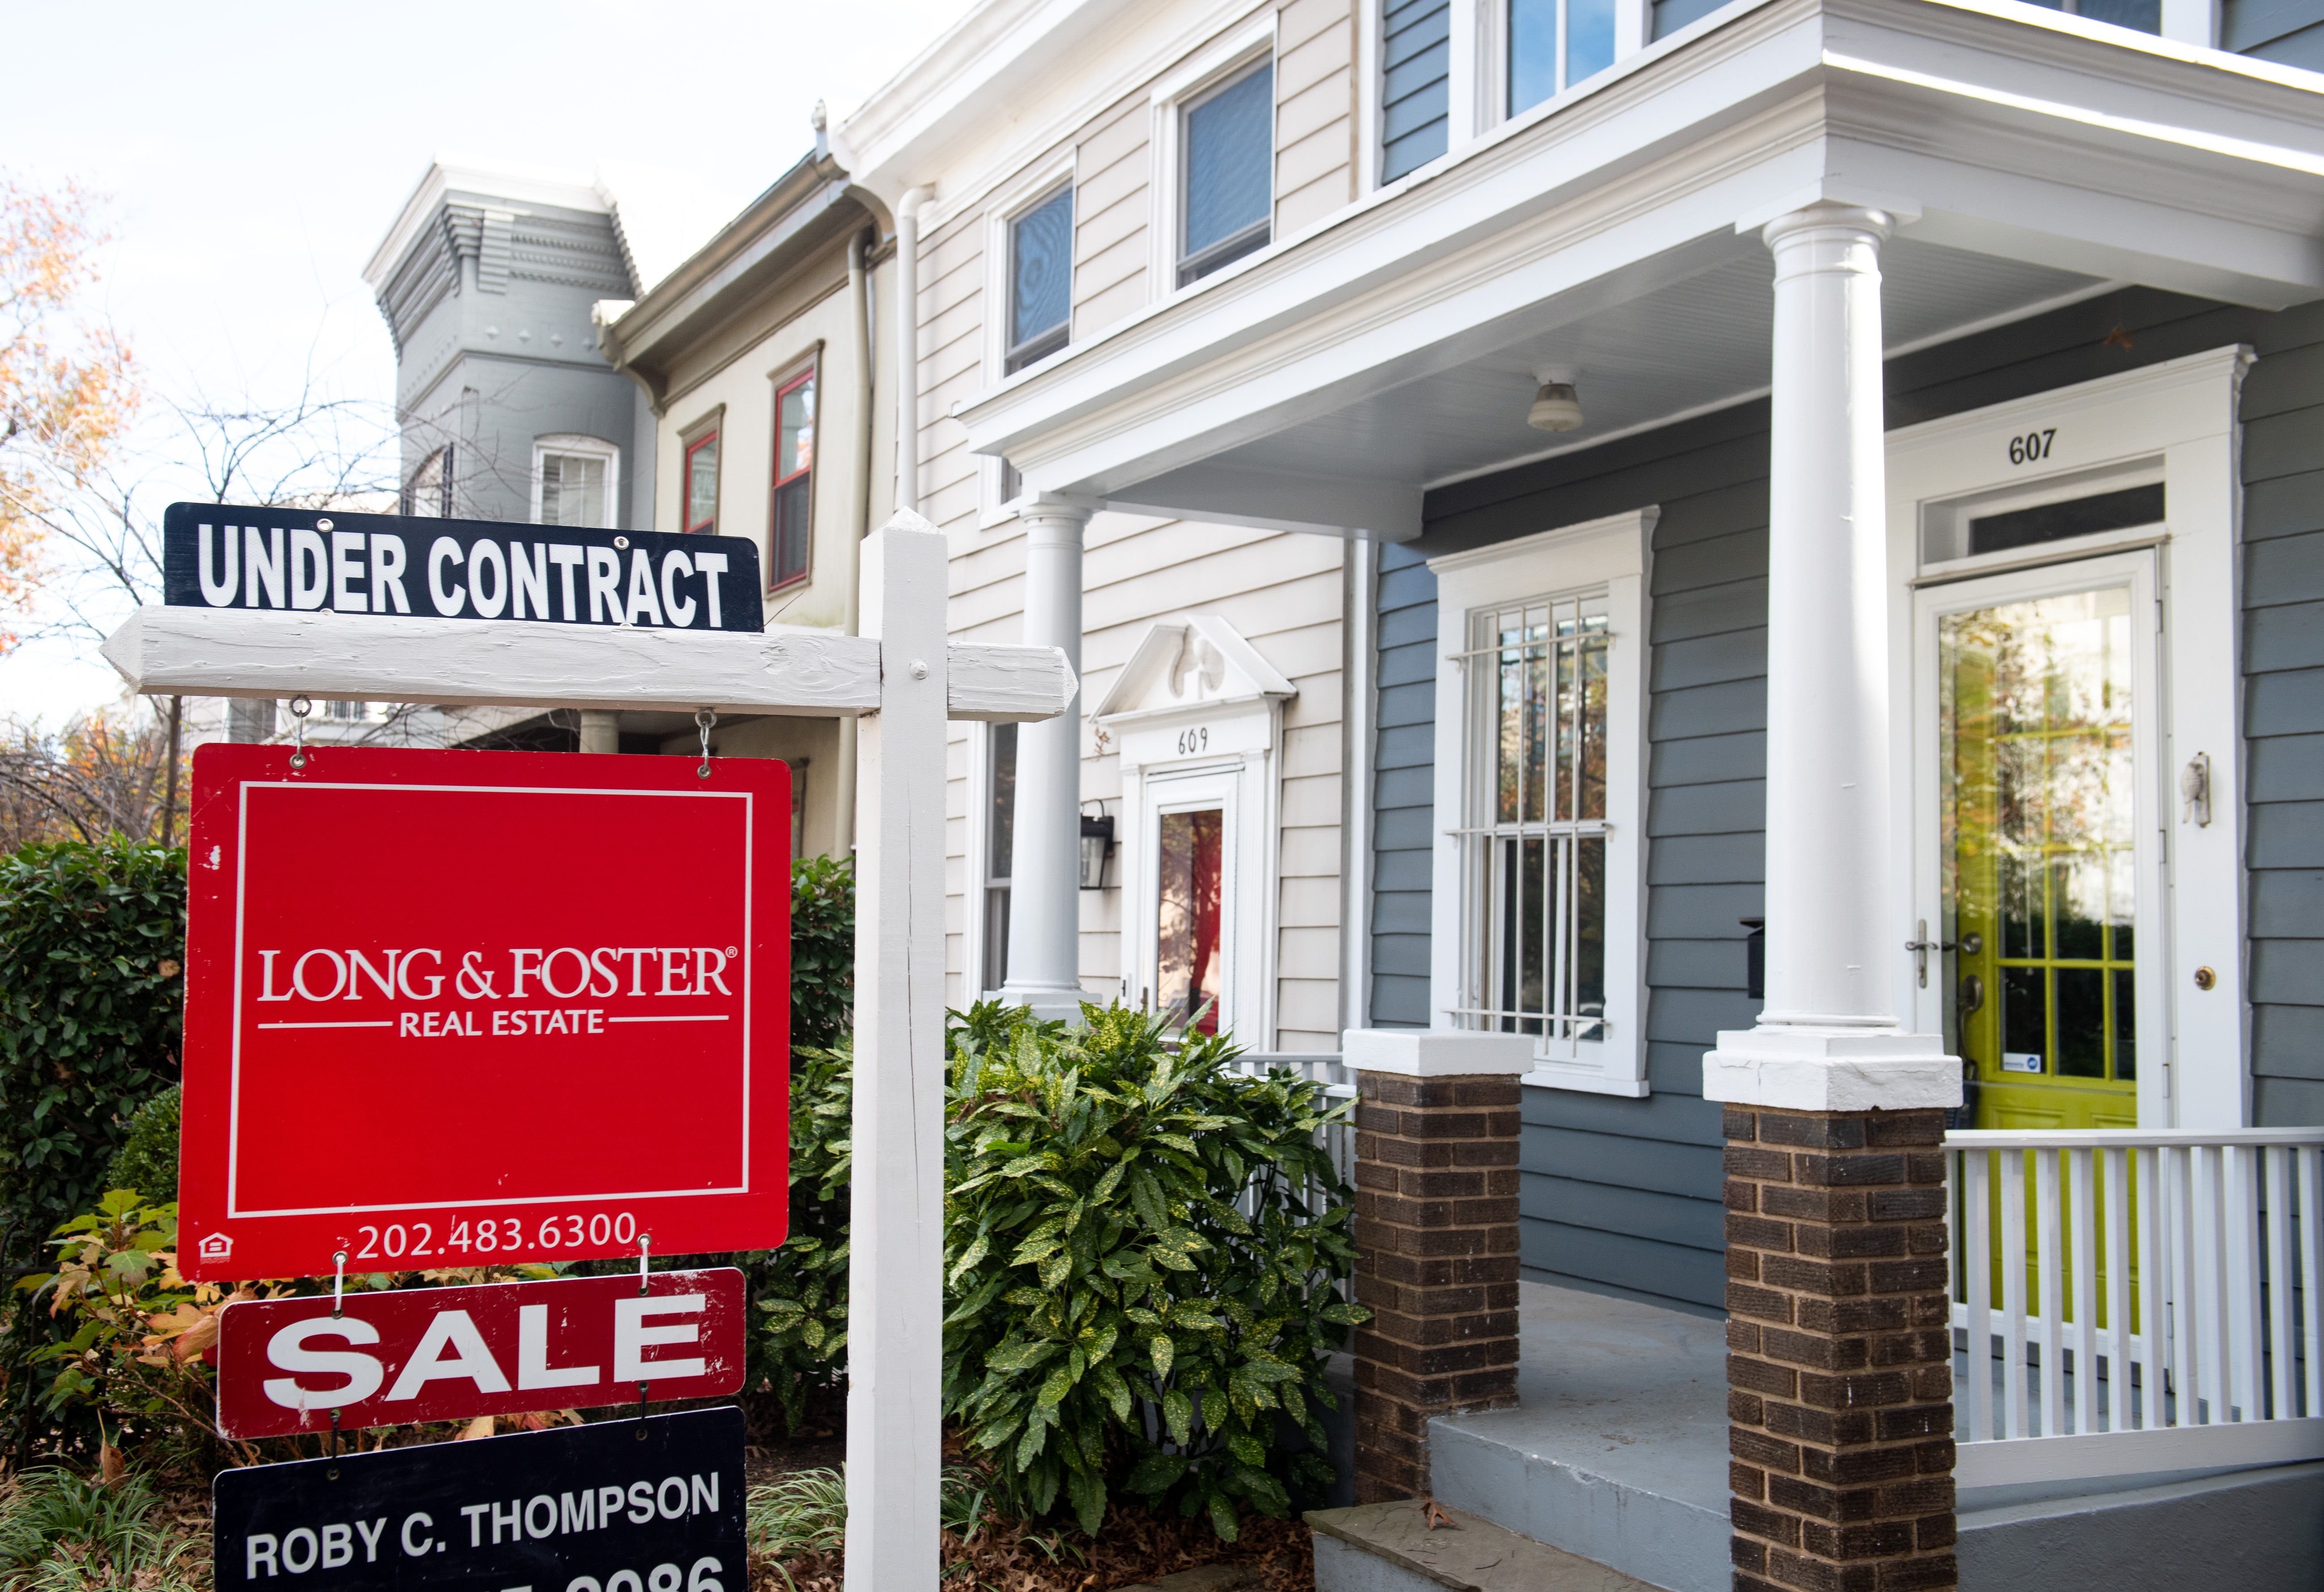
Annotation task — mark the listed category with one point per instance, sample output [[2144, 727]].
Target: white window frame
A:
[[979, 860], [588, 447], [1002, 207], [2181, 414], [1610, 556], [1227, 57], [1487, 38]]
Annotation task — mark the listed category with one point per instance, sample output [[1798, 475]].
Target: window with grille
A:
[[1535, 843], [793, 534]]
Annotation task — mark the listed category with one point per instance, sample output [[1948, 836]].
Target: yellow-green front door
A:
[[2040, 865]]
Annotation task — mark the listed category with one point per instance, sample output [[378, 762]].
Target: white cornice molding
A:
[[450, 173], [1760, 94]]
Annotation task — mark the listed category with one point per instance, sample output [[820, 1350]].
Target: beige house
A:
[[1212, 642], [755, 359]]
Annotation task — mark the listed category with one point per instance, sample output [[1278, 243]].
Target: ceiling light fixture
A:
[[1555, 408]]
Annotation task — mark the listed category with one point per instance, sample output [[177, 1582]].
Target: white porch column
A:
[[600, 731], [1828, 1039], [1044, 865]]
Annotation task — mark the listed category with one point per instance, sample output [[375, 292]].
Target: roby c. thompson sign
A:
[[459, 1008]]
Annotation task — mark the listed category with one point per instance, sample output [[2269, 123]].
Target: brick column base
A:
[[1436, 1243], [1841, 1371]]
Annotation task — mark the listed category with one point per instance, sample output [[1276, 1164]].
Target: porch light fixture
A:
[[1097, 844], [1554, 406]]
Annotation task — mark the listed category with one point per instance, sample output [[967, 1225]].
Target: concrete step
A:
[[1616, 1454], [1392, 1548]]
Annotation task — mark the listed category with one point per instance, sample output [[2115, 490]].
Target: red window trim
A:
[[782, 389], [685, 484]]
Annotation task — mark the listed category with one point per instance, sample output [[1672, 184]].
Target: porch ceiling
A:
[[1691, 345], [1325, 382]]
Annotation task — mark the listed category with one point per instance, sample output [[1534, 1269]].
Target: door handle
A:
[[1971, 999], [1921, 947]]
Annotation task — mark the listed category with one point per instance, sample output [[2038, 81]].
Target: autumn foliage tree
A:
[[67, 386]]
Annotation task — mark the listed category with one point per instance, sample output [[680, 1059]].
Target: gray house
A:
[[488, 281]]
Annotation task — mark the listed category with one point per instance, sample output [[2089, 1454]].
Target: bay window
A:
[[1040, 280], [1554, 44]]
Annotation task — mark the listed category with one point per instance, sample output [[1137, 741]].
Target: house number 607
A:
[[2032, 446], [1194, 740]]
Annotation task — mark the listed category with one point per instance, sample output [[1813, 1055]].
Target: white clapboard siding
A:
[[458, 663]]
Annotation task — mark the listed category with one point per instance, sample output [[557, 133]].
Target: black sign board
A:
[[222, 556], [596, 1508]]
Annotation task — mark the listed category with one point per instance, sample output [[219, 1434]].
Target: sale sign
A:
[[287, 1366], [456, 1008]]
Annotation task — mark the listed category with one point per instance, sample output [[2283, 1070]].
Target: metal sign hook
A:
[[704, 718], [299, 708]]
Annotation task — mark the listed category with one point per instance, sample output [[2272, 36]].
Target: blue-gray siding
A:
[[2287, 31], [1416, 83], [1624, 1195]]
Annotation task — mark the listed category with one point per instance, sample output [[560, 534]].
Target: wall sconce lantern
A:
[[1097, 844]]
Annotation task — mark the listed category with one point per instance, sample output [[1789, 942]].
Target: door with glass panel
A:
[[2044, 686], [1192, 928], [1534, 845]]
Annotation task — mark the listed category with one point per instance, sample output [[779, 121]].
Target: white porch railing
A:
[[2158, 1308], [1322, 1066]]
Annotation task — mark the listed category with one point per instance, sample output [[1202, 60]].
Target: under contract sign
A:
[[222, 556], [453, 1009]]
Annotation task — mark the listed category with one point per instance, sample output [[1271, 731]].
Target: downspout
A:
[[907, 348], [859, 519]]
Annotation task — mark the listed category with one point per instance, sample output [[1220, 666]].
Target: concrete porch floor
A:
[[1618, 1452]]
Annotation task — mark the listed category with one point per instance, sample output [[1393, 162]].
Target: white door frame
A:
[[2152, 979], [2175, 421], [1240, 787]]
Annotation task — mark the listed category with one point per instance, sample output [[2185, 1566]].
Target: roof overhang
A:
[[1999, 128], [450, 173], [802, 211]]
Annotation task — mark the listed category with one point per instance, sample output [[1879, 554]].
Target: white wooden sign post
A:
[[905, 679]]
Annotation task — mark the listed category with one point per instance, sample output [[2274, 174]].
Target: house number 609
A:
[[2032, 446], [1194, 740]]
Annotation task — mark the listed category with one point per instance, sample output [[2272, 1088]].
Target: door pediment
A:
[[1197, 665]]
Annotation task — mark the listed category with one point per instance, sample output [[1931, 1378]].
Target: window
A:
[[700, 483], [1554, 44], [1230, 164], [428, 494], [793, 534], [1000, 848], [574, 480], [347, 712], [1415, 84], [1539, 916], [2146, 16], [1190, 867], [1040, 280], [1538, 819]]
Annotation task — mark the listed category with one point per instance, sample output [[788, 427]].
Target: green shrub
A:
[[1133, 1233], [823, 951], [60, 1534], [91, 938], [802, 1287], [148, 1159]]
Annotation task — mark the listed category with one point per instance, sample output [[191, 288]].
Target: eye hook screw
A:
[[704, 718], [299, 708]]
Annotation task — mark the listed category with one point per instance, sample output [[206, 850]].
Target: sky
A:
[[250, 157]]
